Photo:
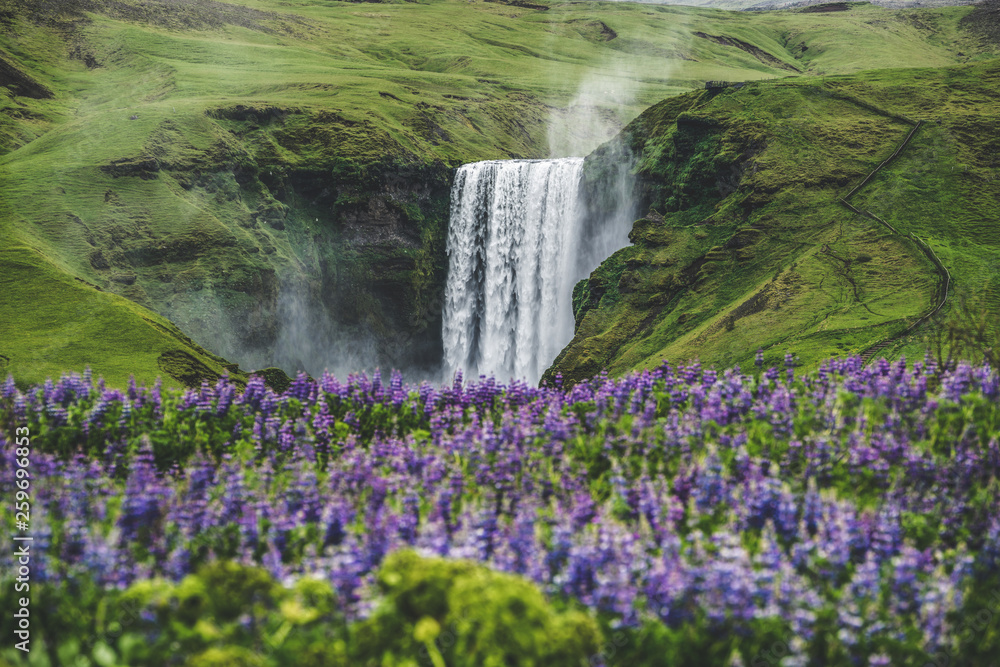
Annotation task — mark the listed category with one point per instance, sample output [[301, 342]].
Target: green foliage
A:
[[692, 644], [225, 614], [225, 657], [185, 430], [275, 378], [84, 326], [432, 612], [458, 613], [978, 627], [921, 528]]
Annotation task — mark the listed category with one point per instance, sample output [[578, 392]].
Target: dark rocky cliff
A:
[[304, 259]]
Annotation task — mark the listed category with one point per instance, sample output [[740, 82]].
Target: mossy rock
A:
[[275, 378], [230, 656], [469, 616], [186, 369]]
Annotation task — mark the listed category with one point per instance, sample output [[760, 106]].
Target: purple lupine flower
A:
[[502, 479], [9, 389]]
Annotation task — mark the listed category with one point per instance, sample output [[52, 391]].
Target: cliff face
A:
[[371, 278], [260, 233], [297, 235], [346, 270], [744, 241], [303, 255]]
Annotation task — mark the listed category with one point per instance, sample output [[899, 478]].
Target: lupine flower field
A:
[[683, 515]]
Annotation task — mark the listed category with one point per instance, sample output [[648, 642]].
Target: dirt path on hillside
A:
[[944, 277]]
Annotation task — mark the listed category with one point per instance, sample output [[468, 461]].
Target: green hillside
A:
[[81, 323], [273, 177], [748, 245]]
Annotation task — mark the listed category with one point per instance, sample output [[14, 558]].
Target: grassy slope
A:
[[89, 327], [351, 84], [753, 249]]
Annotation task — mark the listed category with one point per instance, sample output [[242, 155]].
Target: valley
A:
[[274, 180], [524, 332]]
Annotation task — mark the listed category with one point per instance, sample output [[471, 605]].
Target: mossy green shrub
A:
[[226, 614], [431, 612], [458, 613]]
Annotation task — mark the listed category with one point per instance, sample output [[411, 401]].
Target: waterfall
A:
[[514, 249]]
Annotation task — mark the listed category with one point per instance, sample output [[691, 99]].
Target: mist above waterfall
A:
[[596, 113]]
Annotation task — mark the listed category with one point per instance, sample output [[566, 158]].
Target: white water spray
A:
[[596, 113], [514, 248]]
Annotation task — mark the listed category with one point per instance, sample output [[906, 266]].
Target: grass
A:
[[205, 162], [87, 327], [777, 263]]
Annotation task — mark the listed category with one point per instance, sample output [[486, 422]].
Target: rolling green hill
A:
[[273, 177], [748, 244]]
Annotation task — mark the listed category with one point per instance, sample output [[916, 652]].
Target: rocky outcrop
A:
[[19, 83], [984, 21], [299, 256]]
